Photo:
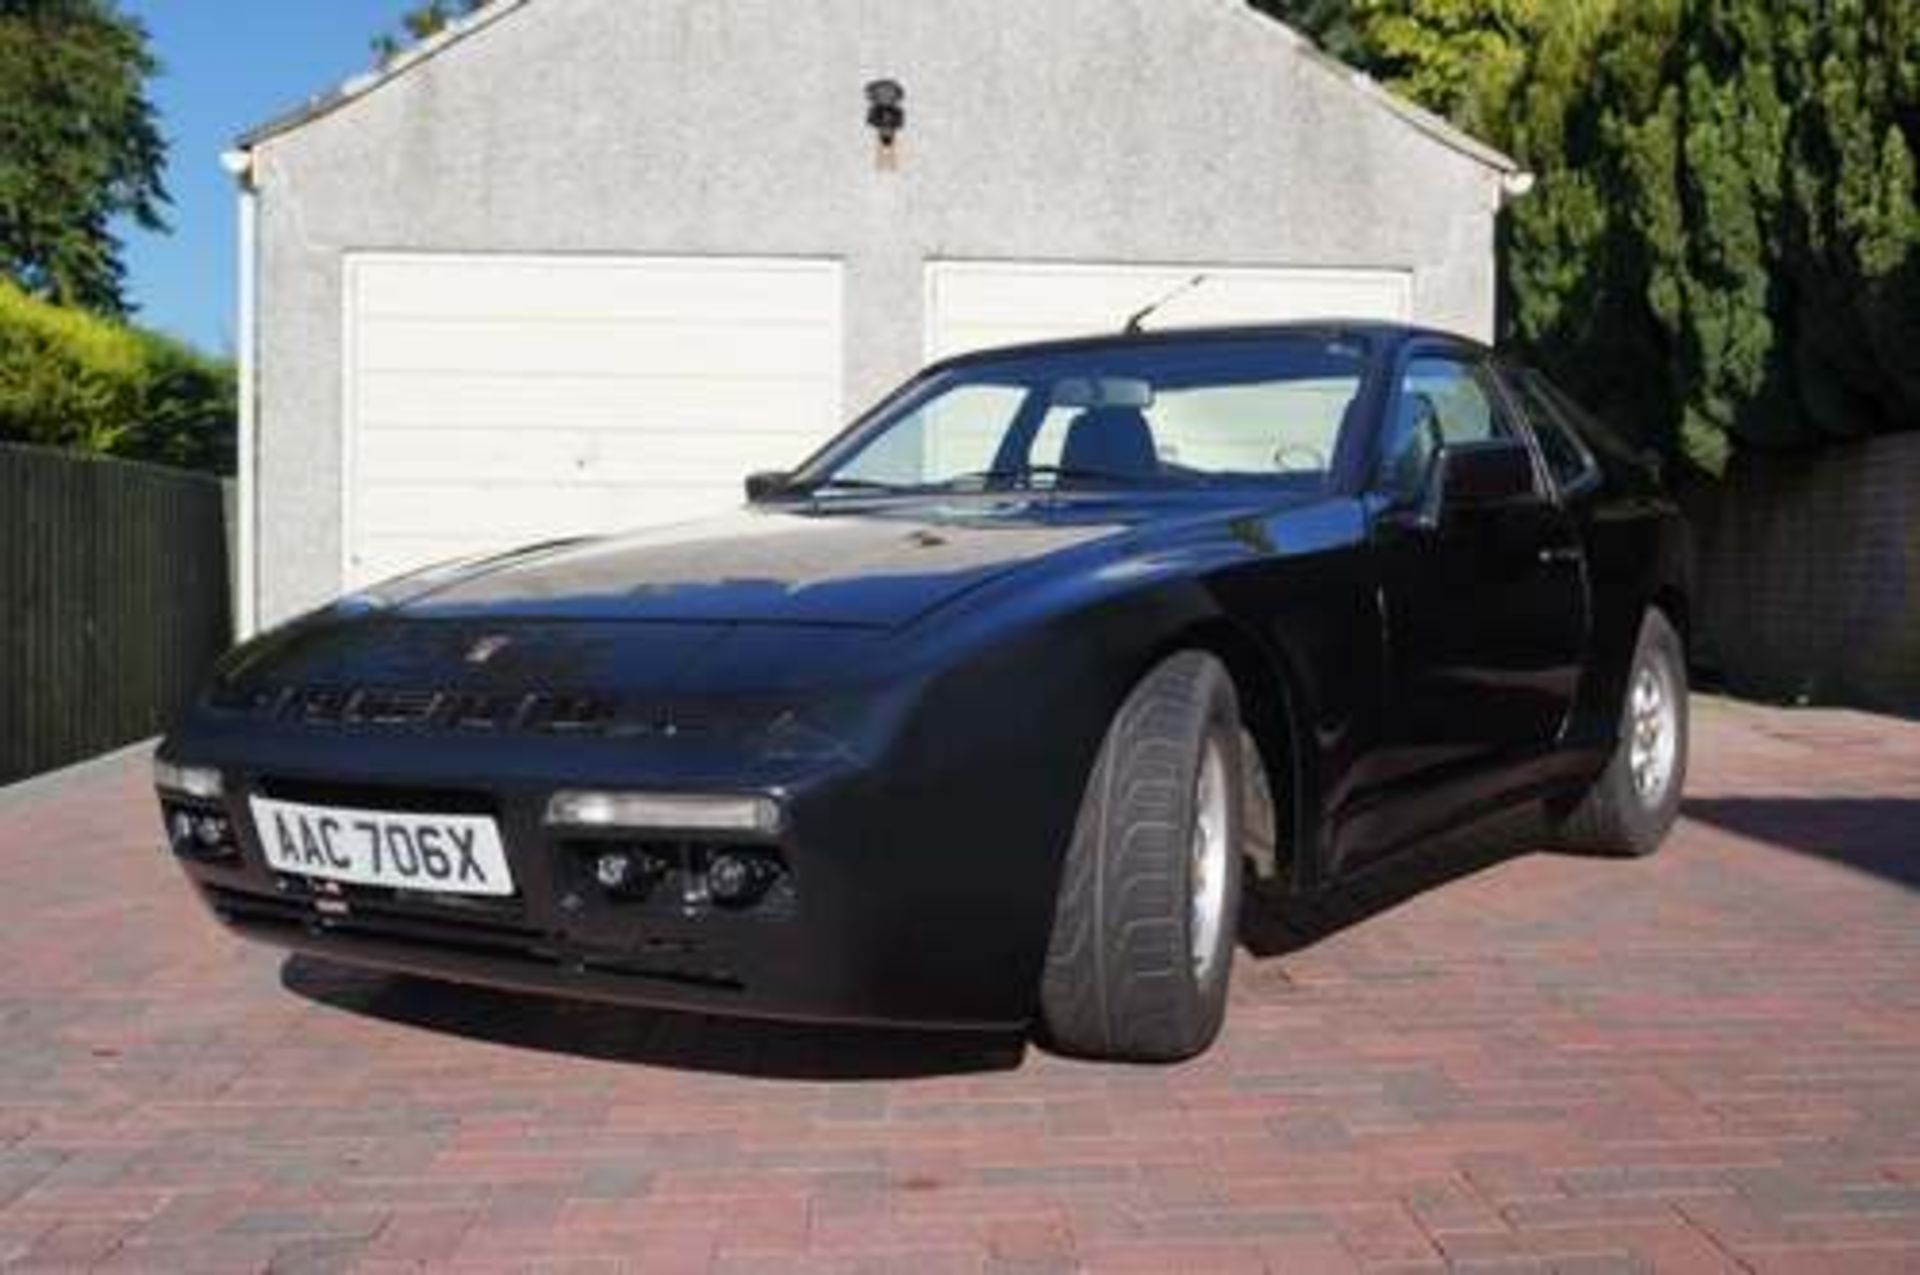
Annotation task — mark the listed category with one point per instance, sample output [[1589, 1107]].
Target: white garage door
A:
[[495, 401], [975, 304]]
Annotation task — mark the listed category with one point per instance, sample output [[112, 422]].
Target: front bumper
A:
[[753, 976], [875, 929]]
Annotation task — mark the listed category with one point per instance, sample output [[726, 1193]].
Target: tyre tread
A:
[[1114, 984]]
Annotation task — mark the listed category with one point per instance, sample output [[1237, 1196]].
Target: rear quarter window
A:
[[1580, 450]]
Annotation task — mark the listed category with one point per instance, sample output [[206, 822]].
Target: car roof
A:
[[1382, 335]]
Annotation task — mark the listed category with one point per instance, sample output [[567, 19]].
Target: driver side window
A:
[[1440, 401]]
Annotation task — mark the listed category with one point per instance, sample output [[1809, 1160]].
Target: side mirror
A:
[[766, 484], [1482, 475]]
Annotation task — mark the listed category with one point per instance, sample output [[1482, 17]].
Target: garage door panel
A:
[[594, 289], [1049, 298], [976, 305], [666, 404], [508, 514], [565, 457], [960, 337], [492, 401], [610, 348], [395, 555]]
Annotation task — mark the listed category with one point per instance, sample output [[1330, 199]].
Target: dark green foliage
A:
[[190, 416], [1581, 297], [1794, 296], [1724, 244], [79, 147]]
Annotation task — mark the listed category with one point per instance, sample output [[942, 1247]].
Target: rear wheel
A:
[[1633, 804], [1145, 924]]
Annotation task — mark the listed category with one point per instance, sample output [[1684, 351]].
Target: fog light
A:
[[613, 870], [664, 812], [199, 834], [739, 878], [191, 781], [211, 832], [625, 872]]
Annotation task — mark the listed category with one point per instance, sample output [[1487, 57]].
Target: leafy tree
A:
[[424, 19], [1793, 298], [1744, 174], [190, 407], [1724, 244], [1459, 58], [1588, 114], [79, 147], [67, 378]]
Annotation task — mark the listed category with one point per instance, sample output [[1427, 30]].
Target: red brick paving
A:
[[1706, 1061]]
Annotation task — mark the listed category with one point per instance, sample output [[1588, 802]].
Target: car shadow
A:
[[1875, 835], [1274, 924], [1868, 834], [654, 1038]]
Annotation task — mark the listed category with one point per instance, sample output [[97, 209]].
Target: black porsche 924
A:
[[984, 715]]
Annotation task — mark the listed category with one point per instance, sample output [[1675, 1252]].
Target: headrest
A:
[[1114, 441]]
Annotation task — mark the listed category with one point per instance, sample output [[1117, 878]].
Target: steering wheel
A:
[[1289, 458]]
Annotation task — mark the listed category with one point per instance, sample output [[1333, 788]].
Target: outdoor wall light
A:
[[886, 114]]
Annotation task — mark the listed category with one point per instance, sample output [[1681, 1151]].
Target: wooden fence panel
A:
[[113, 602]]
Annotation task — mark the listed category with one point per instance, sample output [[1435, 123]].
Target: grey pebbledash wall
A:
[[1148, 131], [1808, 575]]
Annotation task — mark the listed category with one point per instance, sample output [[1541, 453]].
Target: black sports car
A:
[[981, 715]]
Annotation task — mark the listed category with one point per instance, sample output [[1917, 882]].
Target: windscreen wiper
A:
[[1025, 474], [850, 484]]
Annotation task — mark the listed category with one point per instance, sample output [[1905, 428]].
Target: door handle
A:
[[1562, 554]]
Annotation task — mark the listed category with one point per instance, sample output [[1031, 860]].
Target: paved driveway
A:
[[1709, 1060]]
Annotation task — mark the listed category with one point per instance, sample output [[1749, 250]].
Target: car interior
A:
[[1111, 442]]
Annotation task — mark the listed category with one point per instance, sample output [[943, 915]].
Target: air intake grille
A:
[[322, 704], [474, 712], [572, 713], [392, 708], [568, 714]]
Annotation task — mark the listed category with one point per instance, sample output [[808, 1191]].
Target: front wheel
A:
[[1633, 804], [1145, 924]]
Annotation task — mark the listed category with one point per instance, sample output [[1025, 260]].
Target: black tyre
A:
[[1633, 804], [1144, 928]]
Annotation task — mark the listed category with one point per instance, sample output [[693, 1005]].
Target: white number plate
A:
[[451, 854]]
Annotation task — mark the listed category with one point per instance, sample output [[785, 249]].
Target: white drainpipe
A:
[[239, 164]]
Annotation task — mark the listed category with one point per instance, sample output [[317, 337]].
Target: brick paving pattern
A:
[[1705, 1061]]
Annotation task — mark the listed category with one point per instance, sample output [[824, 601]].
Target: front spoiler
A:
[[572, 976]]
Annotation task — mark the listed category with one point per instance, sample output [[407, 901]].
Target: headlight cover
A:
[[664, 812], [202, 782]]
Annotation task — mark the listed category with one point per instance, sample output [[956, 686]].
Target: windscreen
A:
[[1203, 411]]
